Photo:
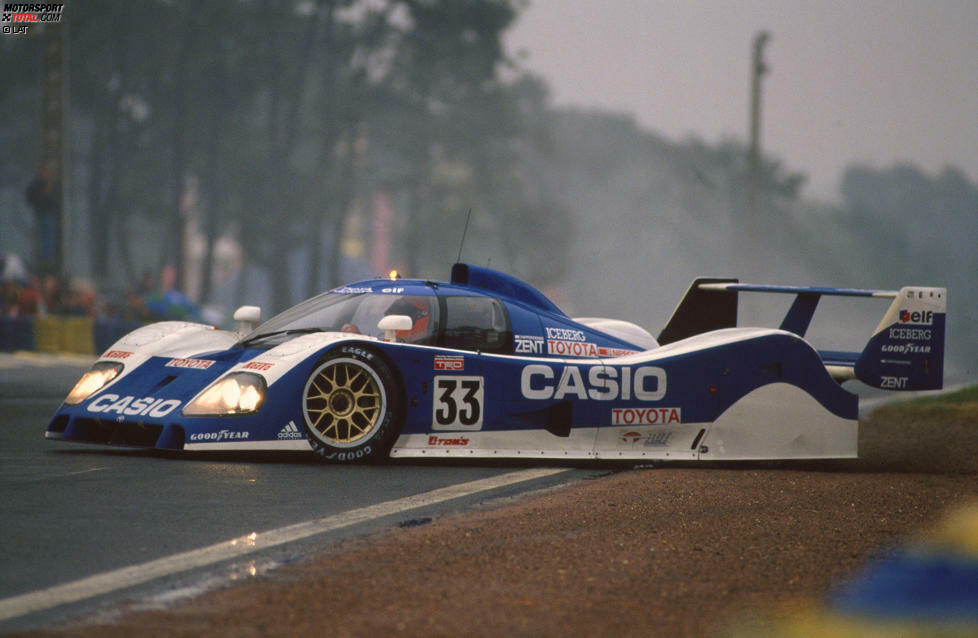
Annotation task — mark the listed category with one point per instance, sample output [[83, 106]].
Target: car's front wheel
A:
[[352, 406]]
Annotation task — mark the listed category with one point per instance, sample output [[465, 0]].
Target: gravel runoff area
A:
[[672, 550]]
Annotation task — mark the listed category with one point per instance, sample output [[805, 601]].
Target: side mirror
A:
[[248, 317], [392, 323]]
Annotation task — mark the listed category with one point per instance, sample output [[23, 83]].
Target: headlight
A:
[[93, 381], [237, 393]]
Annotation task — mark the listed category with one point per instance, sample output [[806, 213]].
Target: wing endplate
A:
[[907, 350], [707, 305]]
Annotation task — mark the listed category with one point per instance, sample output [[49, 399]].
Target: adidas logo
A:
[[290, 431]]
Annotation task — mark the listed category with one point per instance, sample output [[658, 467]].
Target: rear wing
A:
[[905, 352]]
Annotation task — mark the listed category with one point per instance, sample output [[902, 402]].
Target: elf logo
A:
[[919, 317]]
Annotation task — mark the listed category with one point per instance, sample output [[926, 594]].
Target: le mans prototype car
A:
[[485, 366]]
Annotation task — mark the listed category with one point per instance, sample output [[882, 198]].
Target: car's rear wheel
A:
[[351, 406]]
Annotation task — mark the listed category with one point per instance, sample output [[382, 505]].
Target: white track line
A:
[[137, 574]]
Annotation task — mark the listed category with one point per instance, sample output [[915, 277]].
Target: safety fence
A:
[[79, 335]]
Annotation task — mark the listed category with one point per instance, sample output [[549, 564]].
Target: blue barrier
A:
[[62, 334], [108, 331], [16, 333]]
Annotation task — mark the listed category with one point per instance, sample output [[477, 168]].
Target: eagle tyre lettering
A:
[[458, 403], [351, 406]]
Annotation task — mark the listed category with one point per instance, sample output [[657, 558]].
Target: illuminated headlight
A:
[[93, 381], [237, 393]]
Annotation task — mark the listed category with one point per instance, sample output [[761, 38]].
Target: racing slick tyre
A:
[[351, 406]]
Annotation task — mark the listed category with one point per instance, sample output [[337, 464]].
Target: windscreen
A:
[[354, 314]]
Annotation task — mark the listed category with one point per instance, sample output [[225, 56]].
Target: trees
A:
[[459, 138], [282, 122]]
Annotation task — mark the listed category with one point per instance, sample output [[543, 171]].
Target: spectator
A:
[[30, 300]]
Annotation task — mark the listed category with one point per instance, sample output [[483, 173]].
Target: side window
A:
[[477, 323], [424, 316]]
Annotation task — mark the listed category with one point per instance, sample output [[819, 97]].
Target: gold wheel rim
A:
[[344, 402]]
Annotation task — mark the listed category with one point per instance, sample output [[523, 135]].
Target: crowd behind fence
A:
[[68, 314]]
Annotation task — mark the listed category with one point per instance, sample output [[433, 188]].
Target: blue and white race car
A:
[[485, 366]]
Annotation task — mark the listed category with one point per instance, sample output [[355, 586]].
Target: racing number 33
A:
[[458, 403]]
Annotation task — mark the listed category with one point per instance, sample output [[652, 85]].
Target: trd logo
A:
[[921, 317]]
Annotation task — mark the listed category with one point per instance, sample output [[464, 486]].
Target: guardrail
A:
[[79, 335]]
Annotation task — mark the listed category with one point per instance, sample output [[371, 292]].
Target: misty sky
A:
[[873, 81]]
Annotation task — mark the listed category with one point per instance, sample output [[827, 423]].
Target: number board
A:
[[457, 403]]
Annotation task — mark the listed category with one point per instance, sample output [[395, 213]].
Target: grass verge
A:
[[962, 402]]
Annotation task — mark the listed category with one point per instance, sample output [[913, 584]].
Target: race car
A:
[[486, 366]]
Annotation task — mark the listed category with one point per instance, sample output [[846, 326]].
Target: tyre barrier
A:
[[925, 588], [77, 335]]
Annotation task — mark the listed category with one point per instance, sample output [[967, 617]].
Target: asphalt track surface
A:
[[86, 526], [736, 550]]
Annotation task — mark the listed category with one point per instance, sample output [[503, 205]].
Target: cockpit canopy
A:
[[453, 321]]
